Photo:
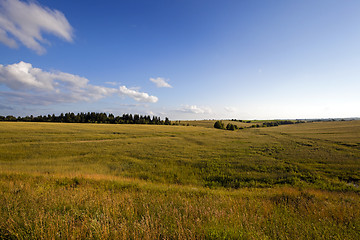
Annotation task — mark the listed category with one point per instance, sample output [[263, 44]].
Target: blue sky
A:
[[184, 59]]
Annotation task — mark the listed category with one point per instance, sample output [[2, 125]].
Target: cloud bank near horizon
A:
[[34, 86], [26, 22]]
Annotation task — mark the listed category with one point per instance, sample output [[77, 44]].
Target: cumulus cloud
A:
[[26, 22], [35, 86], [161, 82], [195, 109], [138, 96]]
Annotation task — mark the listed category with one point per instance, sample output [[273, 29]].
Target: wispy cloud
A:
[[230, 109], [161, 82], [195, 109], [26, 22], [112, 83], [3, 107], [35, 86]]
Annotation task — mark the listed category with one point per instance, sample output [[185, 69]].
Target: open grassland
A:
[[100, 181]]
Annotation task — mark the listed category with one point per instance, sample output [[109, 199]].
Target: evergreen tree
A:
[[219, 125]]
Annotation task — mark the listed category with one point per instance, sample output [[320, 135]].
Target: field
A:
[[102, 181], [210, 123]]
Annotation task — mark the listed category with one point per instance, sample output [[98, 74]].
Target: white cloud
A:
[[6, 40], [35, 86], [138, 96], [160, 82], [230, 109], [195, 109], [26, 22]]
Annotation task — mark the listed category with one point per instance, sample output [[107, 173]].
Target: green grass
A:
[[102, 181]]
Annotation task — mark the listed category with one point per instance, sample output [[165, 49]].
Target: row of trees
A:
[[92, 117], [229, 126], [276, 123], [279, 122], [244, 121]]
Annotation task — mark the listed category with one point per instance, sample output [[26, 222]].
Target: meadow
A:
[[102, 181]]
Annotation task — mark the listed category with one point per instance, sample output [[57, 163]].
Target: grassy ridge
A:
[[146, 182]]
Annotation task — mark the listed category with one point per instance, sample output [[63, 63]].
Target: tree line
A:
[[91, 117], [229, 126]]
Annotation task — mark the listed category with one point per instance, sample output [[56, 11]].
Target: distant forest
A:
[[90, 118]]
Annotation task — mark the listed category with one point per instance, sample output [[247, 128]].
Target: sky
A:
[[182, 59]]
